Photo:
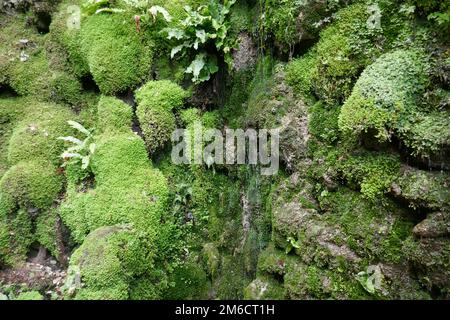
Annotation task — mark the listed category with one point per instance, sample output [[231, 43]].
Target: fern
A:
[[82, 150]]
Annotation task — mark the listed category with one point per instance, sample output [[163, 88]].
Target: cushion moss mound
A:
[[384, 98], [35, 136], [104, 266], [31, 184], [156, 100], [117, 56]]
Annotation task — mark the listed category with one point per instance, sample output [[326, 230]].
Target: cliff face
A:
[[359, 91]]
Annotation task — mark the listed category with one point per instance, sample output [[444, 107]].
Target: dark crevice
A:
[[88, 84], [43, 20], [7, 92]]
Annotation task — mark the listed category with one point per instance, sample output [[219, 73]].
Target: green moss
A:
[[384, 97], [66, 40], [323, 123], [13, 29], [344, 48], [189, 282], [283, 17], [263, 288], [34, 77], [127, 189], [16, 236], [373, 172], [212, 258], [113, 115], [46, 231], [164, 93], [31, 184], [35, 137], [304, 282], [101, 264], [423, 188], [30, 295], [117, 56], [373, 230], [156, 99], [299, 73]]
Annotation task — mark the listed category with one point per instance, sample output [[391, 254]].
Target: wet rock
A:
[[245, 56]]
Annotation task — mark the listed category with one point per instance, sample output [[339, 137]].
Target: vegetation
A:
[[91, 92]]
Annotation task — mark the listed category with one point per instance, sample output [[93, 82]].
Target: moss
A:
[[156, 99], [304, 282], [66, 40], [164, 93], [46, 231], [30, 295], [373, 172], [289, 21], [212, 258], [373, 230], [127, 189], [15, 237], [13, 29], [423, 189], [323, 123], [344, 48], [384, 97], [100, 264], [35, 137], [299, 73], [189, 282], [263, 288], [31, 184], [113, 115], [34, 77], [167, 69], [117, 56]]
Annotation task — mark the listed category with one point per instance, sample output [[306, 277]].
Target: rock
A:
[[423, 188], [435, 225], [245, 56]]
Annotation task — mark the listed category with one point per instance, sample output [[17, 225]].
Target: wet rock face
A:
[[245, 56]]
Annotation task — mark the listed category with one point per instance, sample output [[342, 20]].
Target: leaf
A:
[[175, 50], [110, 10], [154, 10], [201, 34], [174, 33], [71, 155], [71, 139], [84, 162], [79, 127], [92, 148], [196, 66], [74, 148]]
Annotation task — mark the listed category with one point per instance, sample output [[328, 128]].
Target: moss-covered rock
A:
[[35, 136], [156, 100], [113, 115], [385, 99], [422, 188], [31, 184], [118, 57], [103, 266]]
